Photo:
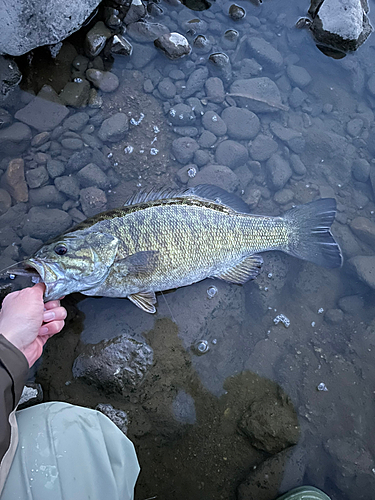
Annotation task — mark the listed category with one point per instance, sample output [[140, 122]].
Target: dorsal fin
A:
[[205, 192]]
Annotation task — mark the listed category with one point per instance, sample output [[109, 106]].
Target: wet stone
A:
[[364, 229], [40, 139], [103, 80], [93, 200], [184, 149], [118, 417], [5, 201], [265, 53], [241, 123], [260, 95], [262, 147], [14, 180], [167, 88], [8, 236], [181, 114], [334, 316], [371, 85], [351, 304], [42, 114], [297, 165], [115, 366], [187, 172], [95, 101], [236, 12], [41, 158], [114, 128], [298, 75], [15, 139], [354, 127], [120, 46], [75, 94], [92, 175], [68, 185], [183, 408], [144, 31], [96, 39], [55, 168], [202, 44], [30, 245], [72, 143], [279, 171], [37, 177], [297, 97], [252, 197], [207, 139], [45, 223], [136, 12], [76, 122], [5, 118], [195, 82], [361, 169], [215, 89], [283, 196], [214, 123], [220, 66], [218, 175], [142, 55], [32, 394], [173, 45], [76, 215], [46, 195], [364, 267], [186, 131], [231, 153], [78, 160], [201, 157]]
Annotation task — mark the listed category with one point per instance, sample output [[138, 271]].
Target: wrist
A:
[[13, 339]]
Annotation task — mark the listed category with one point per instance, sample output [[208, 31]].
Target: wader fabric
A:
[[67, 452]]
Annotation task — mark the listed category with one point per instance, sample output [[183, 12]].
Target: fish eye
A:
[[60, 249]]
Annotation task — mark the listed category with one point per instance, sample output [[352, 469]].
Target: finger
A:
[[51, 304], [57, 313], [51, 328], [39, 289]]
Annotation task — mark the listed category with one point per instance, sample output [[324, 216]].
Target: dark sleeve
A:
[[13, 374]]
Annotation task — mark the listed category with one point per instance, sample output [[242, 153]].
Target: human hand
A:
[[28, 323]]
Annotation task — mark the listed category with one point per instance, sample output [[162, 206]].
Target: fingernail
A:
[[47, 316], [44, 330]]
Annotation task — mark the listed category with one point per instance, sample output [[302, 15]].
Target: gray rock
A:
[[260, 95], [142, 55], [55, 168], [201, 157], [32, 394], [173, 45], [215, 89], [371, 85], [45, 223], [181, 114], [265, 53], [364, 229], [120, 46], [103, 80], [218, 175], [114, 128], [334, 316], [354, 127], [118, 417], [5, 118], [283, 196], [195, 82], [143, 31], [298, 75], [76, 122], [241, 123], [364, 267], [184, 149], [79, 160], [10, 75], [292, 138], [167, 88], [187, 172], [96, 39], [136, 12], [351, 304], [5, 201], [279, 171], [30, 245], [271, 424], [75, 94], [68, 185], [297, 165], [237, 12], [297, 97], [93, 200], [72, 143], [14, 180], [46, 195], [220, 66], [186, 131], [37, 177], [115, 366], [45, 23], [212, 122], [262, 147], [231, 153], [40, 139], [15, 139], [183, 408], [42, 114], [207, 139], [92, 175]]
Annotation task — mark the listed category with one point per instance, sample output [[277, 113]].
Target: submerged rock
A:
[[173, 45], [27, 24], [14, 180], [118, 365], [257, 94]]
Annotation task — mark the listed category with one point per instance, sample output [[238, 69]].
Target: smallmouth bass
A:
[[160, 241]]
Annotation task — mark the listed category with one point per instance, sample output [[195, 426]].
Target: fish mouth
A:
[[42, 272]]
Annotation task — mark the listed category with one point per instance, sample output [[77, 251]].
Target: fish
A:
[[163, 240]]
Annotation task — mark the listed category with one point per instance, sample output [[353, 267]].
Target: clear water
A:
[[184, 417]]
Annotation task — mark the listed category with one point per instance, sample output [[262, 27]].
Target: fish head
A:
[[74, 262]]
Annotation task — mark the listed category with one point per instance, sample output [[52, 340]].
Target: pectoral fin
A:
[[137, 263], [144, 300], [247, 269]]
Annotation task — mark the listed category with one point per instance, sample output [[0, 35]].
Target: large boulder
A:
[[27, 24]]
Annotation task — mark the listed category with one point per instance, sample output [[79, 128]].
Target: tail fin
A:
[[311, 238]]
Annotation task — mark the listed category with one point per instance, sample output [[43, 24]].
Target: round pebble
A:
[[214, 123], [241, 123]]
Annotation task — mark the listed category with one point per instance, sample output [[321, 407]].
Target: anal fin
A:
[[245, 270], [144, 300]]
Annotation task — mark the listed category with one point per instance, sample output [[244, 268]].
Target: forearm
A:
[[13, 373]]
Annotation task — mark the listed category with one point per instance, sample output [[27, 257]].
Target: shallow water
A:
[[185, 416]]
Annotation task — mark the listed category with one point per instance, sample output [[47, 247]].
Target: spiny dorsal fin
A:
[[144, 300], [206, 192], [247, 269]]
